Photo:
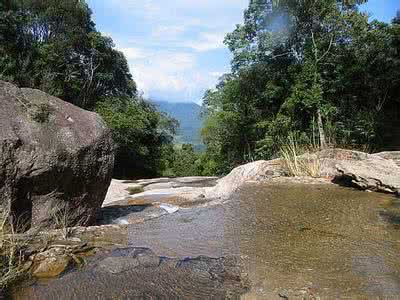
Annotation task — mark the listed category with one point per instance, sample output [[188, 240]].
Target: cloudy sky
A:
[[174, 47]]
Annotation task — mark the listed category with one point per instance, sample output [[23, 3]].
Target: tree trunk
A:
[[321, 130]]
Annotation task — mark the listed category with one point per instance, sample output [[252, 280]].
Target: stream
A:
[[267, 241]]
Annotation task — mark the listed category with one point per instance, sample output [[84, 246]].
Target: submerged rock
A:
[[137, 273], [52, 266], [55, 158], [123, 260]]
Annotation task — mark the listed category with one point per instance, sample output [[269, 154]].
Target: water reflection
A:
[[291, 240]]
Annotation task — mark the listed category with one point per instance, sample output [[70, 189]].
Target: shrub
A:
[[40, 112]]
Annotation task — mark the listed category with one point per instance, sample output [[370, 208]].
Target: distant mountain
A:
[[188, 115]]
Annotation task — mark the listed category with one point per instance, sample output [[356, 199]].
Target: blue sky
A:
[[174, 47]]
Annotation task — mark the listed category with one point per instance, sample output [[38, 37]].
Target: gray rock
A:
[[361, 170], [365, 171], [53, 156], [126, 259], [393, 155], [373, 173], [255, 171], [161, 185]]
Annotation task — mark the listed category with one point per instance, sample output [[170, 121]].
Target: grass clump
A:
[[66, 219], [135, 190], [12, 249], [300, 159], [41, 112]]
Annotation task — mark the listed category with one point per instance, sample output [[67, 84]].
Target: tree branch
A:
[[327, 51]]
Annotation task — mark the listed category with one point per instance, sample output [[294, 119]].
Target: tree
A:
[[140, 133], [304, 67], [54, 46]]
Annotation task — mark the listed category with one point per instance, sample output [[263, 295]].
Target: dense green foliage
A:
[[316, 69], [183, 161], [141, 133], [53, 46]]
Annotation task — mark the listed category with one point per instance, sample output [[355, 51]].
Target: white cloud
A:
[[168, 32], [133, 53], [207, 41], [164, 71], [216, 74], [170, 44]]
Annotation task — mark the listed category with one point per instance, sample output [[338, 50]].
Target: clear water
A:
[[295, 241]]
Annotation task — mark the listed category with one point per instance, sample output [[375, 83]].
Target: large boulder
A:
[[373, 173], [56, 159]]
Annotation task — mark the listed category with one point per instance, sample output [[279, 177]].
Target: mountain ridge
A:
[[188, 114]]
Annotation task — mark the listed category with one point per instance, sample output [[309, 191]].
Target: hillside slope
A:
[[188, 115]]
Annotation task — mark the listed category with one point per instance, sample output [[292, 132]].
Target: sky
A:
[[175, 48]]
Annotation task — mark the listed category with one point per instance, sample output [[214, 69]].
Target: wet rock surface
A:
[[160, 196], [56, 259], [138, 272], [253, 234], [53, 156], [270, 239], [119, 190], [52, 266]]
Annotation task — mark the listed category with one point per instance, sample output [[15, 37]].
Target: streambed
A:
[[284, 240]]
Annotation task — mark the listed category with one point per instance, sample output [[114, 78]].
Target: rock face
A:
[[373, 173], [256, 171], [377, 172], [393, 155], [55, 158]]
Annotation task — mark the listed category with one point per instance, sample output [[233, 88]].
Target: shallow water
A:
[[295, 240], [322, 240]]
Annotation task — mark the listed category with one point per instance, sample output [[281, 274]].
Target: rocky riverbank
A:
[[207, 220]]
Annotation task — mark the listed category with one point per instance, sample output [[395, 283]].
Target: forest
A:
[[54, 46], [318, 73]]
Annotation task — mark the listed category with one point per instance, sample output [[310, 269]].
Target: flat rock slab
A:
[[393, 155], [188, 187], [375, 174]]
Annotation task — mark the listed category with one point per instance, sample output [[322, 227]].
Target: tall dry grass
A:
[[66, 219], [300, 159], [11, 250], [14, 265]]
